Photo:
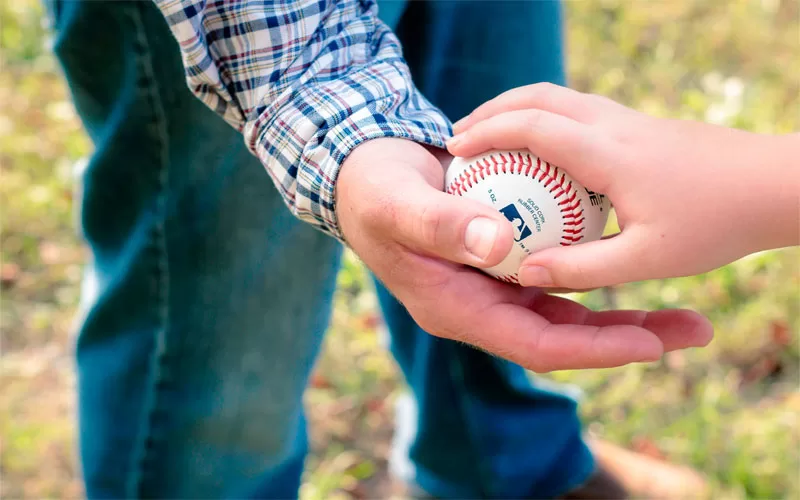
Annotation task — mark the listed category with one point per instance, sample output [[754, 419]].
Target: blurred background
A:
[[731, 410]]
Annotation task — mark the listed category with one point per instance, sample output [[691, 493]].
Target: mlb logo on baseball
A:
[[521, 230], [564, 212]]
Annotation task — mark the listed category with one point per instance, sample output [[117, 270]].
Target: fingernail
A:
[[454, 140], [535, 276], [480, 236]]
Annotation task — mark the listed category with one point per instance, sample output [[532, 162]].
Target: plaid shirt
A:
[[305, 81]]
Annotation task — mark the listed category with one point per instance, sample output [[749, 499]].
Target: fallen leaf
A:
[[781, 335], [646, 446], [9, 274], [767, 366], [319, 381], [374, 405], [371, 321]]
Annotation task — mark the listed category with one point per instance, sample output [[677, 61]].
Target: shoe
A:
[[601, 485], [624, 473]]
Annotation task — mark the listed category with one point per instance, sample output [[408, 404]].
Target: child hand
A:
[[689, 197]]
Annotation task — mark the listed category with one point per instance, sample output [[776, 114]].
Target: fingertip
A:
[[468, 231], [533, 275], [703, 328], [604, 347], [537, 269], [591, 264], [706, 335], [461, 125], [703, 331], [503, 242], [454, 144], [680, 328]]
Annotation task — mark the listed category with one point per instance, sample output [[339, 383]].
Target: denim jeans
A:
[[205, 301]]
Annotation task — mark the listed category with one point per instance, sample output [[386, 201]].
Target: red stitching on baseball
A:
[[574, 222], [508, 279], [565, 194]]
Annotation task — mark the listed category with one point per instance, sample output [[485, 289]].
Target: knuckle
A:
[[546, 92], [600, 99], [545, 89], [625, 137], [535, 361], [601, 102], [595, 347], [428, 225], [584, 145], [532, 120], [574, 275]]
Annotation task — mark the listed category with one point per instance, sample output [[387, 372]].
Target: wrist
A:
[[776, 193], [787, 175]]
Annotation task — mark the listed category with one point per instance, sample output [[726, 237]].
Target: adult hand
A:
[[689, 196], [420, 242]]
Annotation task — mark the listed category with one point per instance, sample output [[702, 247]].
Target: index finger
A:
[[577, 148], [544, 96], [545, 333]]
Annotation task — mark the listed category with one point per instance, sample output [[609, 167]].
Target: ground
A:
[[730, 410]]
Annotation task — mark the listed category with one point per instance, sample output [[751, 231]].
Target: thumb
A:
[[595, 264], [457, 229]]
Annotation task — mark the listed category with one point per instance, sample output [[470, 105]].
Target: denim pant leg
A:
[[205, 300], [477, 426]]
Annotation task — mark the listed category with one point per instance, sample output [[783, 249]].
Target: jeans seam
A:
[[144, 439]]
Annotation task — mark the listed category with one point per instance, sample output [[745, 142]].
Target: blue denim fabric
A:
[[205, 301]]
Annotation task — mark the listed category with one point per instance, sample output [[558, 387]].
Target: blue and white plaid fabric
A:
[[305, 81]]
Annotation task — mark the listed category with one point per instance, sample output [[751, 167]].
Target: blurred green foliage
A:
[[730, 410], [733, 63]]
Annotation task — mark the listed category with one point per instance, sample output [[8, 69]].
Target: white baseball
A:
[[544, 204]]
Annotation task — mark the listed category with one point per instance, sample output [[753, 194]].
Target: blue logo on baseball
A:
[[521, 230]]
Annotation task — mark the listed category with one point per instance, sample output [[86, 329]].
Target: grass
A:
[[730, 410]]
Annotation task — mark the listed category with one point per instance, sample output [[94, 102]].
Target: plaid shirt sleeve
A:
[[305, 81]]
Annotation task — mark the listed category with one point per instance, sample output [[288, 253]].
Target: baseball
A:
[[545, 206]]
